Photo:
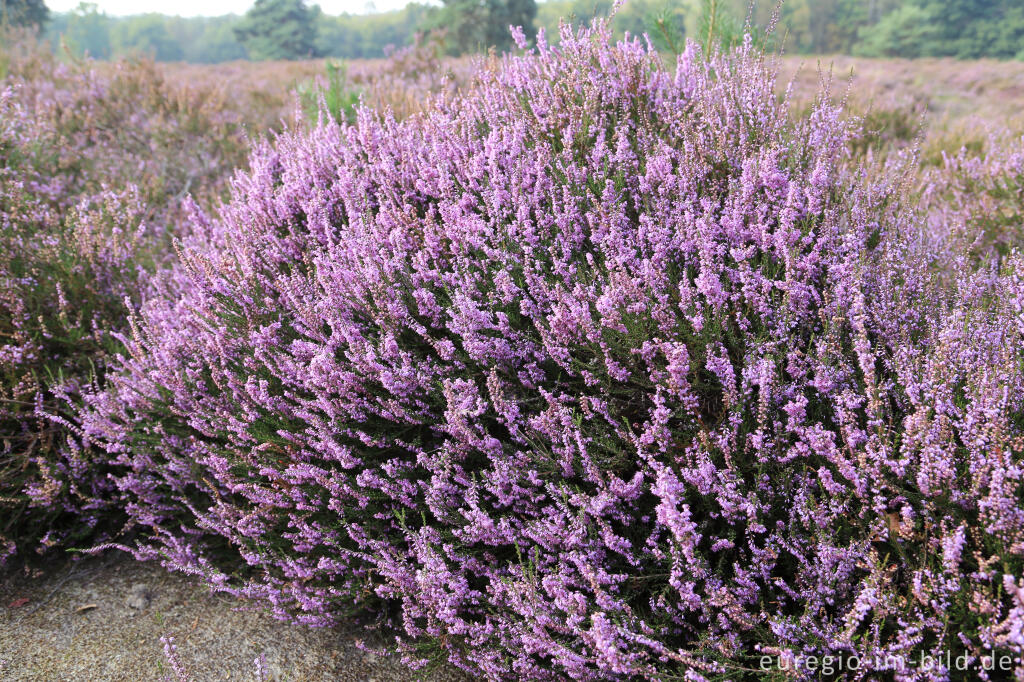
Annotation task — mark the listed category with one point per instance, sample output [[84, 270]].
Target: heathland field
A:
[[585, 361]]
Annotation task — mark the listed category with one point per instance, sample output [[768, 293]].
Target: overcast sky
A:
[[212, 8]]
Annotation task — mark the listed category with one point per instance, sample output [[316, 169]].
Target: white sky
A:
[[212, 8]]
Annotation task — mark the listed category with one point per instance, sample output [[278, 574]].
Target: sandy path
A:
[[102, 619]]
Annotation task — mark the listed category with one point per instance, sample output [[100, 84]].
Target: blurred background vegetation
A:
[[292, 29]]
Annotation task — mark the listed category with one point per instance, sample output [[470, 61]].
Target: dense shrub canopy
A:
[[597, 369]]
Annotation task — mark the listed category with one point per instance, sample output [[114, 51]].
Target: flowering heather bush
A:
[[595, 370], [93, 164], [981, 193], [404, 83], [64, 273], [411, 76]]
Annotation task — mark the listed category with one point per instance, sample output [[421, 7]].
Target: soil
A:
[[102, 619]]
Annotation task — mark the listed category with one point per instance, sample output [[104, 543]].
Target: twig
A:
[[71, 574]]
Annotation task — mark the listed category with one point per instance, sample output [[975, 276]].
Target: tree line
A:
[[292, 29]]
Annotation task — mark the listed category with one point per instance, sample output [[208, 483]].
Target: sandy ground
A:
[[102, 619]]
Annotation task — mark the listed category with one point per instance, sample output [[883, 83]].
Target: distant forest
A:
[[884, 28]]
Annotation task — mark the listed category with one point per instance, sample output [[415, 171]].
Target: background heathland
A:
[[966, 29]]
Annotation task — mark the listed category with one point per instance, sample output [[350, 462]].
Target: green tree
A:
[[88, 31], [826, 26], [358, 36], [216, 42], [24, 13], [148, 34], [481, 24], [576, 13], [970, 29], [909, 31], [966, 29], [663, 20], [718, 25], [278, 29]]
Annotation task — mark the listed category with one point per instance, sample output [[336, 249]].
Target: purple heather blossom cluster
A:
[[595, 369]]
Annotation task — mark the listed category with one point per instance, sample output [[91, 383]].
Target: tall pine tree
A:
[[481, 24], [278, 29]]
